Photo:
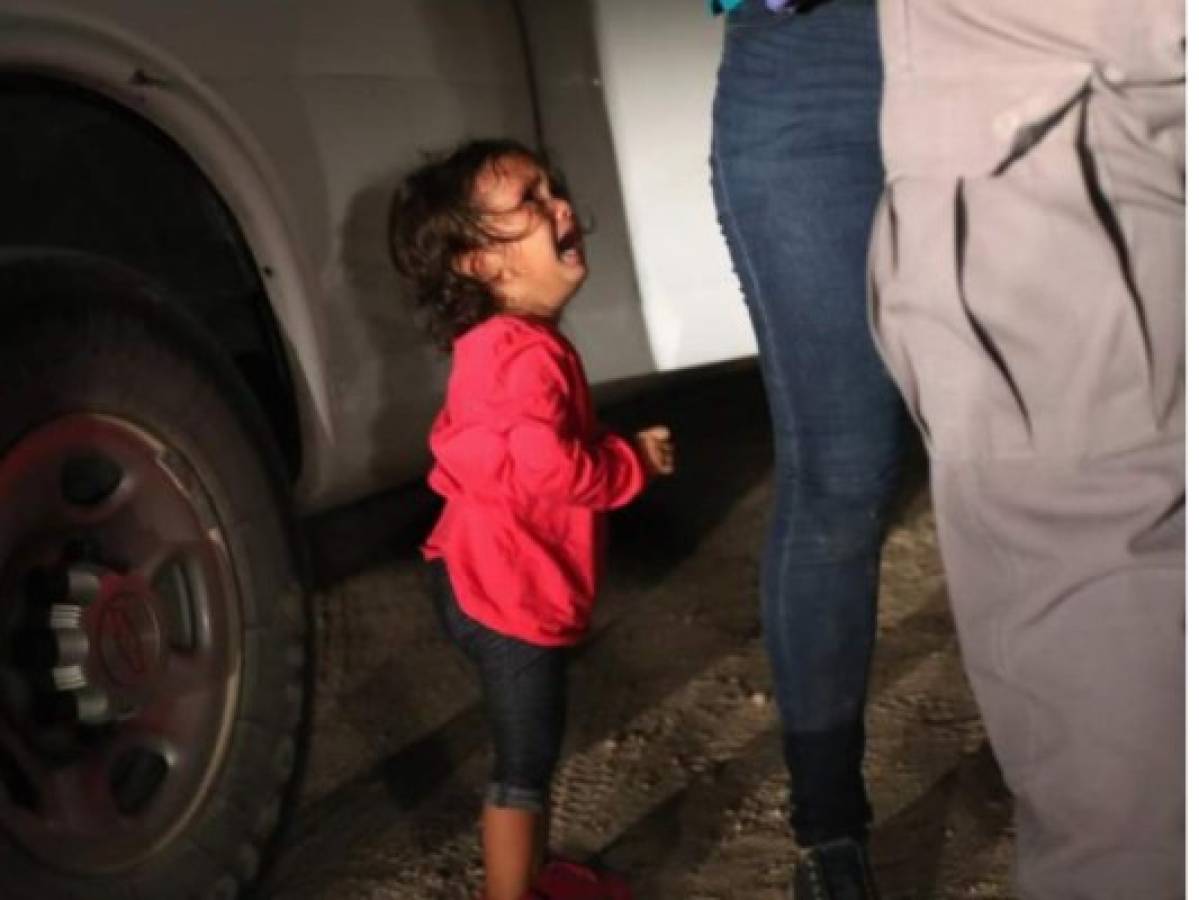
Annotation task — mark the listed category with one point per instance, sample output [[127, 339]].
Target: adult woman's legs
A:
[[796, 175]]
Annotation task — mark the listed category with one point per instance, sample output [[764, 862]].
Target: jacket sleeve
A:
[[547, 455]]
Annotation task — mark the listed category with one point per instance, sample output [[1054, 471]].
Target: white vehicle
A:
[[202, 340]]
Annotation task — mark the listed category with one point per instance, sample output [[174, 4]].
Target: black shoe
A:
[[837, 870]]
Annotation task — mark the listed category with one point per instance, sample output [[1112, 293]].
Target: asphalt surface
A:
[[671, 772]]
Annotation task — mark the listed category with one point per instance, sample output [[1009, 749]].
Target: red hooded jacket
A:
[[527, 473]]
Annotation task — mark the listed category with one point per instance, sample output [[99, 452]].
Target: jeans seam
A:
[[766, 336]]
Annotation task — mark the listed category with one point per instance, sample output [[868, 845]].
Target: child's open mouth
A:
[[570, 247]]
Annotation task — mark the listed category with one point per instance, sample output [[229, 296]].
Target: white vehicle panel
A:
[[659, 64], [304, 116]]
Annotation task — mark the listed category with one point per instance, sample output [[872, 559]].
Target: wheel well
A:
[[80, 173]]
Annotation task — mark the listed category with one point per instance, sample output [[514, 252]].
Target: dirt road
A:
[[672, 770]]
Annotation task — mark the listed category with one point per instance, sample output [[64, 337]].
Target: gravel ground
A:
[[672, 771]]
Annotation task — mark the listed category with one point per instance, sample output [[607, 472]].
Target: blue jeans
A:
[[524, 692], [796, 172]]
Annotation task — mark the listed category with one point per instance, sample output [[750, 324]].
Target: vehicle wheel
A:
[[153, 631]]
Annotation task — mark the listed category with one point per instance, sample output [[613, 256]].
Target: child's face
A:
[[539, 264]]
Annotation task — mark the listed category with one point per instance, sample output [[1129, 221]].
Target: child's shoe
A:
[[562, 880]]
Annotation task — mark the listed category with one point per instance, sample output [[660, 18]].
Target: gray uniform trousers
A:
[[1027, 296]]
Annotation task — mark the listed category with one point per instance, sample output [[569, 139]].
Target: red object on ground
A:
[[562, 880]]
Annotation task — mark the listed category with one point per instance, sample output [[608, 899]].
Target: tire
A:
[[153, 628]]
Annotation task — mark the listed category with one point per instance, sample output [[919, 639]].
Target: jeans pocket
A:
[[755, 14], [756, 51]]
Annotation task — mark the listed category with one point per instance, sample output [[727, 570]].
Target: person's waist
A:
[[959, 123], [776, 6]]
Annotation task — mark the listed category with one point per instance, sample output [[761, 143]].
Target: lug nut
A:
[[83, 584], [71, 647], [68, 678], [92, 706], [65, 616]]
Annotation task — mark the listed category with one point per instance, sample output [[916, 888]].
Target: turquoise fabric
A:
[[719, 6]]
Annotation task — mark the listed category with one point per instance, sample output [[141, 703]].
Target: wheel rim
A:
[[120, 643]]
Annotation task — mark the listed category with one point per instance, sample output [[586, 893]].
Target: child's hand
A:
[[656, 449]]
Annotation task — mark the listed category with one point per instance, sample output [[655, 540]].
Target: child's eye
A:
[[537, 194]]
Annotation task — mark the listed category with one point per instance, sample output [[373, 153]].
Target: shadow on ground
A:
[[659, 585]]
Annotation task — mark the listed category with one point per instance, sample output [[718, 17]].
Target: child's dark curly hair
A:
[[434, 221]]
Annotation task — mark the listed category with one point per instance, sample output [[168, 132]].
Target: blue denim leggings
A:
[[796, 174], [524, 691]]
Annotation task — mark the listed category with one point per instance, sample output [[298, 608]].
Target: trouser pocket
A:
[[1037, 310]]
